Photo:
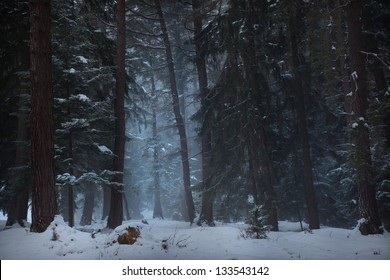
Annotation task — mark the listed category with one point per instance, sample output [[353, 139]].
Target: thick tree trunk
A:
[[360, 135], [115, 216], [206, 213], [190, 213], [342, 59], [298, 84], [43, 191]]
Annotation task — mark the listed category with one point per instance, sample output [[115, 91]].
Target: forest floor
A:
[[170, 240]]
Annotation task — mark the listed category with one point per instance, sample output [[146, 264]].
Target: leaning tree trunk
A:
[[190, 213], [206, 213], [43, 190], [298, 88], [368, 208]]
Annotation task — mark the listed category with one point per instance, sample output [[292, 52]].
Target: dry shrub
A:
[[130, 236]]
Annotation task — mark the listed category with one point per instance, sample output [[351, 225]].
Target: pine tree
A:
[[189, 203], [115, 215], [206, 214], [43, 191], [367, 203], [298, 88]]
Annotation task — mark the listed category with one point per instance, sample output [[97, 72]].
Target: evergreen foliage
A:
[[250, 110]]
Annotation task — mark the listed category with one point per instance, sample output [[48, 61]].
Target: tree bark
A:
[[106, 202], [157, 211], [190, 211], [18, 206], [115, 216], [298, 84], [256, 135], [71, 171], [89, 202], [368, 208], [206, 213], [43, 191]]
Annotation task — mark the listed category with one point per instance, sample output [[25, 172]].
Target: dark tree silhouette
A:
[[43, 190], [115, 215]]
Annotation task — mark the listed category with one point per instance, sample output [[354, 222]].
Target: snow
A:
[[83, 97], [104, 149], [82, 59], [185, 241]]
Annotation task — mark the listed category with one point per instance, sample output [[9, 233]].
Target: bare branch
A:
[[377, 57]]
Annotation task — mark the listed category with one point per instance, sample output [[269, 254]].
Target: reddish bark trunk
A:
[[115, 216], [43, 191], [360, 135]]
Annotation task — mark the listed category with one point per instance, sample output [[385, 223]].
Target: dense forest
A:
[[202, 111]]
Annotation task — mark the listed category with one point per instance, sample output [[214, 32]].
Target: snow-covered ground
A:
[[183, 242]]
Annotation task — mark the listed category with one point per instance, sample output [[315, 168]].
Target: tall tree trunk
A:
[[343, 71], [115, 216], [368, 208], [18, 207], [70, 156], [190, 213], [257, 136], [157, 211], [298, 84], [206, 213], [89, 202], [43, 191]]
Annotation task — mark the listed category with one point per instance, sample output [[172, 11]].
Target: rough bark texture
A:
[[190, 213], [115, 216], [343, 68], [298, 84], [206, 213], [43, 191], [368, 208]]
